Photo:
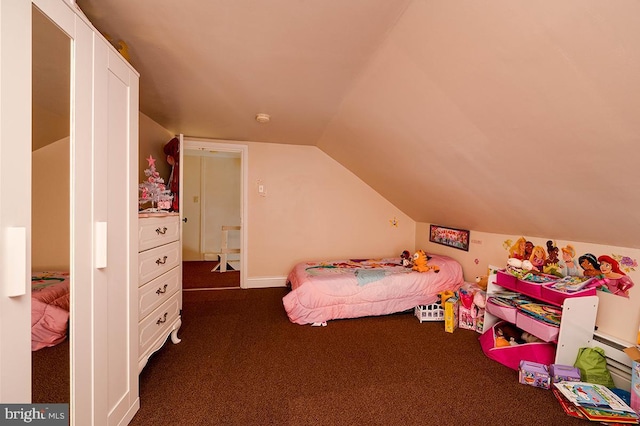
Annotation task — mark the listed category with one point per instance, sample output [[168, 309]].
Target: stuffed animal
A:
[[407, 259], [420, 263], [509, 332], [444, 295], [480, 299], [482, 281]]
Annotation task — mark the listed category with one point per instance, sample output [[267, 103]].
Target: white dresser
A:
[[160, 282]]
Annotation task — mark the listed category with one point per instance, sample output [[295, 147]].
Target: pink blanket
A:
[[49, 308], [322, 291]]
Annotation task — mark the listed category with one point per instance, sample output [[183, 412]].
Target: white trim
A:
[[238, 147], [266, 282]]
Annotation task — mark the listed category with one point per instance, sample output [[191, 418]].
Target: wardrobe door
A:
[[15, 201], [115, 202]]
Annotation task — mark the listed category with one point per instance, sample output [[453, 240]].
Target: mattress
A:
[[49, 308], [352, 288]]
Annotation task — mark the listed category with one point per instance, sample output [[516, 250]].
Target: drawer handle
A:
[[160, 291], [162, 320], [161, 261], [161, 231]]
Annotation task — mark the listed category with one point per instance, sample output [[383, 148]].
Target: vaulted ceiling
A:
[[508, 116]]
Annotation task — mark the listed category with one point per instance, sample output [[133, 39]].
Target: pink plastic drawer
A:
[[556, 296], [507, 313], [533, 286], [529, 288], [506, 280], [542, 330]]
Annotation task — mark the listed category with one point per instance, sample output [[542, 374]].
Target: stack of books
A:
[[593, 402]]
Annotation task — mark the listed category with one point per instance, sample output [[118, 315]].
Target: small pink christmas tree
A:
[[153, 190]]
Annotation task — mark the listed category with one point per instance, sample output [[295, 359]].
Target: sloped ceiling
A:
[[503, 116]]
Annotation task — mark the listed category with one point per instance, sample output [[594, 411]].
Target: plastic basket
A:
[[432, 312]]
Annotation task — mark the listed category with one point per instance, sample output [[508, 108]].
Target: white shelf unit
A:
[[576, 327]]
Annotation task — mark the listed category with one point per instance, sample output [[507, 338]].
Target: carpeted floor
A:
[[198, 275], [241, 362], [50, 374]]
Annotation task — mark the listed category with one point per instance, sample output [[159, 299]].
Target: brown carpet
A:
[[241, 362], [198, 275], [50, 374]]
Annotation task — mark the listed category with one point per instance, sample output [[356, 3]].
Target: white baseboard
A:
[[266, 282]]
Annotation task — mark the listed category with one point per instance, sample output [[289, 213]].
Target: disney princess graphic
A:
[[613, 280]]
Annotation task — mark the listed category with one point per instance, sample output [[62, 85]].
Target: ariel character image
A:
[[614, 280]]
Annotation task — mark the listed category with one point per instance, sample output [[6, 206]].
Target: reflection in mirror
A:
[[50, 213]]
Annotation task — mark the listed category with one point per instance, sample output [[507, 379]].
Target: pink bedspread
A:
[[49, 308], [322, 291]]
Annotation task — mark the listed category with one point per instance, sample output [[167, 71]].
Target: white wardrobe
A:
[[103, 187]]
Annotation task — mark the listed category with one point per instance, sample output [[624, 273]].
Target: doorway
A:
[[214, 235]]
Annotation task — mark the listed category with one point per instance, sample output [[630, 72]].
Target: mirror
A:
[[50, 214]]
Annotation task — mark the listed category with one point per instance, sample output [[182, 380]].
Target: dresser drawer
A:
[[156, 261], [157, 291], [158, 322], [156, 231]]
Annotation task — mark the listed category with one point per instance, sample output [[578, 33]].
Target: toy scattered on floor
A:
[[534, 374], [420, 263], [471, 310]]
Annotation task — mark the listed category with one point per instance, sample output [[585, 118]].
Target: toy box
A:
[[470, 318], [534, 374], [432, 312], [545, 331], [542, 352], [531, 284], [480, 321], [556, 292], [466, 318], [634, 354], [472, 300], [451, 314], [564, 373], [506, 280], [502, 309]]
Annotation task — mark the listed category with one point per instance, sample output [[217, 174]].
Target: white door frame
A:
[[191, 143]]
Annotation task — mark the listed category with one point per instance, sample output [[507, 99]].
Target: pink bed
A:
[[49, 308], [323, 291]]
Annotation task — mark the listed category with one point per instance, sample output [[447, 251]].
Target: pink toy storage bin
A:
[[540, 329], [558, 297], [507, 313], [534, 288], [510, 356], [506, 280]]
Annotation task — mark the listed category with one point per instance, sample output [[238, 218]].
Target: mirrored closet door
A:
[[50, 210]]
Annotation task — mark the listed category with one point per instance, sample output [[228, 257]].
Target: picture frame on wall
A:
[[451, 237]]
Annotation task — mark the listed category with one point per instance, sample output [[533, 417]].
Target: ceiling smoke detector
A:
[[263, 118]]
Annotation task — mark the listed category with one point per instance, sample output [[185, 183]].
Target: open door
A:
[[181, 186]]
